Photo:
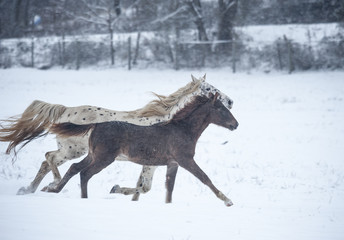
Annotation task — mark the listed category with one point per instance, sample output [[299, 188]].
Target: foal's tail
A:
[[70, 129], [32, 124]]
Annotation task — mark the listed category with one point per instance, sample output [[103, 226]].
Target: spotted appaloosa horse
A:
[[172, 144], [39, 116]]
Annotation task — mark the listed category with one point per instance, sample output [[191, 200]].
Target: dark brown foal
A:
[[172, 144]]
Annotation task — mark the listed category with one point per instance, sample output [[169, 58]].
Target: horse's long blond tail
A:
[[30, 125]]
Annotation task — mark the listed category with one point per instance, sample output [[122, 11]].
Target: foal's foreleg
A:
[[171, 173], [192, 167]]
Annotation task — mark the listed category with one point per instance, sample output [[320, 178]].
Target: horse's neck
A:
[[182, 102]]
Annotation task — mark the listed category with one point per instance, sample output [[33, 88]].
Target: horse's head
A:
[[207, 89], [220, 115]]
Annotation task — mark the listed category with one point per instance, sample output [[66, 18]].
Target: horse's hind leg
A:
[[69, 148], [44, 169], [143, 185]]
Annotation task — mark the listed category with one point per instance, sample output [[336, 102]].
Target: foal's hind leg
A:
[[99, 163], [192, 167], [143, 185], [74, 169]]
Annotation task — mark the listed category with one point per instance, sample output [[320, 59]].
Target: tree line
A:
[[211, 19]]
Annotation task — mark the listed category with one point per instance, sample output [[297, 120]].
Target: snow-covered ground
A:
[[283, 167], [300, 33]]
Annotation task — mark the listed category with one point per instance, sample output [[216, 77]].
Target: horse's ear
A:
[[193, 78], [204, 77]]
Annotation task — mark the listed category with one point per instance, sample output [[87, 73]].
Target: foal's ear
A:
[[213, 97]]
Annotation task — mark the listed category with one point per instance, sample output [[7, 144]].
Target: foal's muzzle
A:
[[233, 126]]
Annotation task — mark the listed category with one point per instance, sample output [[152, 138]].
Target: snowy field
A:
[[283, 167]]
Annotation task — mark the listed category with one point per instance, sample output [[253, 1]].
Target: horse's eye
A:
[[208, 89]]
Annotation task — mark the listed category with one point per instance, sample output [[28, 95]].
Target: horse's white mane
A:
[[164, 104]]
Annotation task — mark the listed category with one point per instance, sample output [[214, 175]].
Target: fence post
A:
[[290, 55], [63, 51], [176, 57], [32, 53], [129, 53], [77, 55], [279, 55], [112, 50], [233, 55]]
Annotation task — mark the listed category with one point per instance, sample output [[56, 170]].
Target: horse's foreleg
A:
[[143, 185], [171, 173], [193, 168]]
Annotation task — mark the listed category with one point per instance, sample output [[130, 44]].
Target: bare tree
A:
[[196, 10], [104, 13], [227, 14]]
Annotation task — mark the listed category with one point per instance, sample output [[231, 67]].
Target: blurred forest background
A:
[[241, 34]]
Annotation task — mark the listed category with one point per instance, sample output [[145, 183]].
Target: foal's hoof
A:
[[23, 191], [49, 189], [115, 189], [228, 203]]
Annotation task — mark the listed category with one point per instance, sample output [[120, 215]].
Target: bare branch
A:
[[171, 15], [90, 20], [127, 9], [92, 9]]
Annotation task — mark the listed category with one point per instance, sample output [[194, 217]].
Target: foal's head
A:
[[220, 115]]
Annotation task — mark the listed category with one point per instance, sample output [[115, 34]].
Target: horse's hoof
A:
[[135, 197], [115, 189], [23, 191]]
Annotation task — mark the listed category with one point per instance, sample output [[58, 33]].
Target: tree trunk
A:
[[196, 10], [137, 48], [227, 14]]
